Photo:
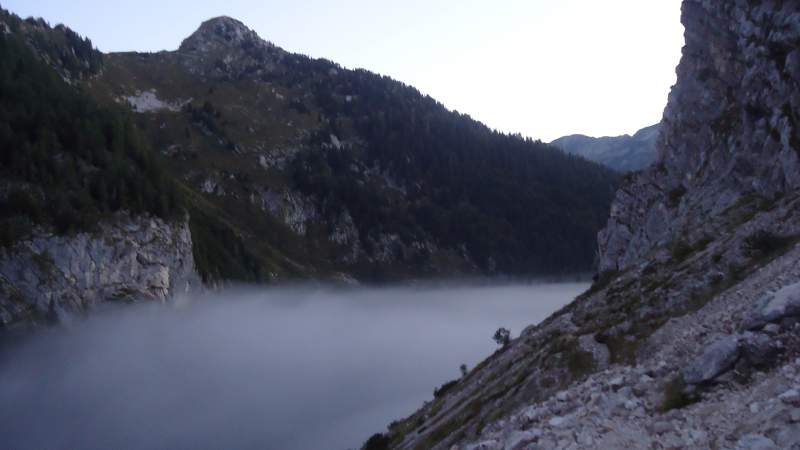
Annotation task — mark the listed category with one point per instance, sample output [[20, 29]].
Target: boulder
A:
[[772, 308], [790, 397], [788, 436], [661, 427], [520, 439], [717, 359], [755, 442], [758, 349], [561, 421]]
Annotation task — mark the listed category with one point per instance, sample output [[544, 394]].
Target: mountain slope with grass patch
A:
[[238, 161], [346, 170]]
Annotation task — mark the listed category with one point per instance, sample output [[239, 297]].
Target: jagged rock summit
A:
[[224, 48], [223, 31]]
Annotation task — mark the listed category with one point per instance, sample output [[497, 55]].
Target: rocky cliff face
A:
[[49, 277], [88, 216], [690, 336], [730, 131]]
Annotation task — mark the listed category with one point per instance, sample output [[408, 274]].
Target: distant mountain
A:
[[267, 165], [622, 153]]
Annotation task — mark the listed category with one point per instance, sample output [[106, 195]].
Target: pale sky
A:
[[542, 68]]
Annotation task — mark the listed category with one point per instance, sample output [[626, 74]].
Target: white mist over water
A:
[[259, 368]]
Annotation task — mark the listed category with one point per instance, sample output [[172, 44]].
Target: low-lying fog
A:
[[273, 368]]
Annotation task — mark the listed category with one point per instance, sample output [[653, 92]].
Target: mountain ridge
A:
[[289, 167], [625, 153], [331, 93]]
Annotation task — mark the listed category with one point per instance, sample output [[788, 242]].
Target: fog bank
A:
[[269, 368]]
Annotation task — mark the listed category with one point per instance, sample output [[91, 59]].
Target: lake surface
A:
[[275, 368]]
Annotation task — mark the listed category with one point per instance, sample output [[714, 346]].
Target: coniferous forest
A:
[[426, 190], [66, 161]]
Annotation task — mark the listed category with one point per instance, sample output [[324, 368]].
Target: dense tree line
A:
[[519, 204], [67, 161], [60, 47]]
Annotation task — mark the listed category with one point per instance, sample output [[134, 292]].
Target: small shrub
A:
[[622, 348], [680, 251], [702, 244], [580, 363], [765, 243], [601, 281], [737, 272], [378, 441], [674, 197], [22, 202], [43, 261], [443, 389], [628, 177], [675, 396], [502, 337], [13, 229]]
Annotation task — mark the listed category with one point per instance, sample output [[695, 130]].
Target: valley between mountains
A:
[[281, 166], [157, 176]]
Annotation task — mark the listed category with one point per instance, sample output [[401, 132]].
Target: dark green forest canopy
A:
[[513, 205], [65, 160], [519, 205]]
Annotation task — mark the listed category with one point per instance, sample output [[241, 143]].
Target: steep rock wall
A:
[[730, 129], [49, 277]]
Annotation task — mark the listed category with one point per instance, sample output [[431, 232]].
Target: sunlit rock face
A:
[[48, 277], [730, 129]]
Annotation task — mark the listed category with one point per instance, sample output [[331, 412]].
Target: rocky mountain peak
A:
[[222, 32]]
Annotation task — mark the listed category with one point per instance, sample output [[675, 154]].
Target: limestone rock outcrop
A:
[[50, 277]]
